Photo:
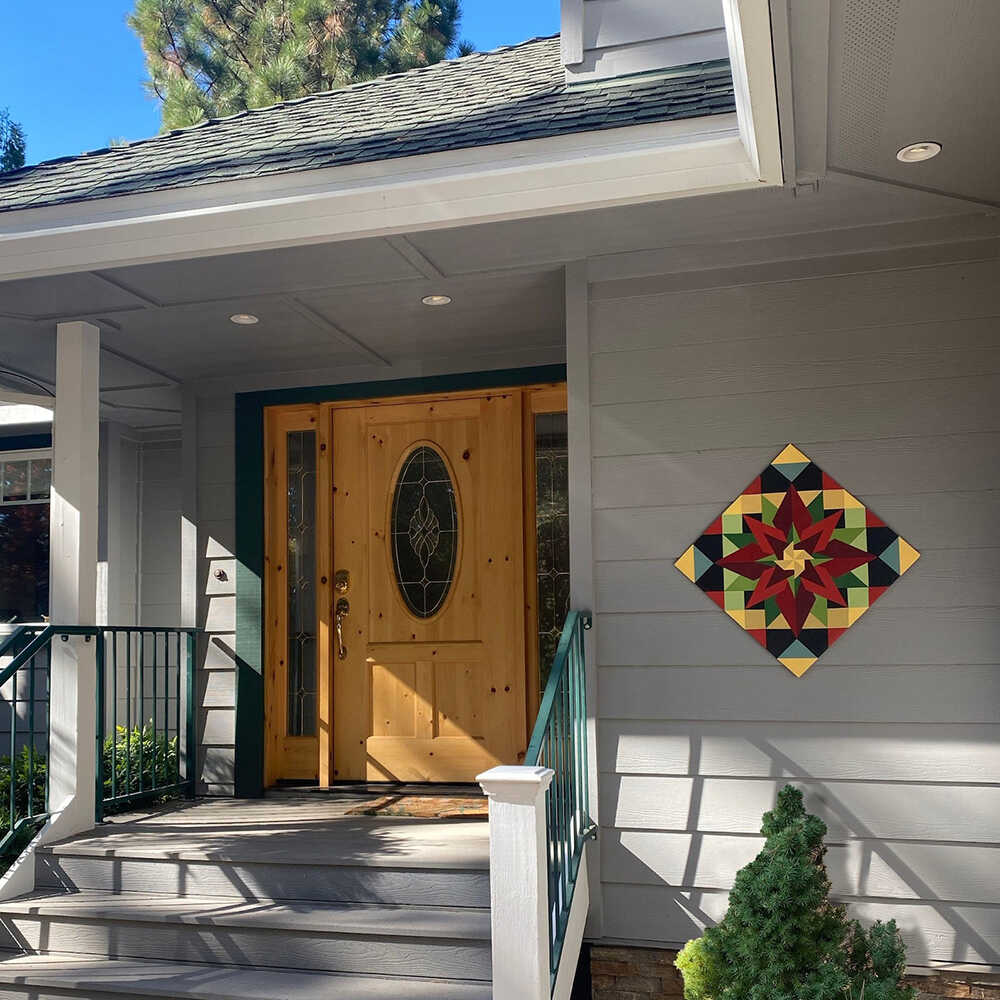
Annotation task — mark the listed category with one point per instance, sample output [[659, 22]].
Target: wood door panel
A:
[[395, 759], [455, 436], [427, 699], [442, 698]]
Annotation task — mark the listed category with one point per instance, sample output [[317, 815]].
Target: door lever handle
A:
[[341, 610]]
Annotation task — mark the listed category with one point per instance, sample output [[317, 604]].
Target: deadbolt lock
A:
[[342, 581]]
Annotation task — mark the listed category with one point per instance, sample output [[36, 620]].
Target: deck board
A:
[[304, 830]]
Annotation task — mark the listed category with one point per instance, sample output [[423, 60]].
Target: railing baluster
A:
[[12, 787], [31, 738], [142, 706], [48, 718], [129, 646], [177, 716], [101, 722], [190, 750], [114, 716], [155, 649]]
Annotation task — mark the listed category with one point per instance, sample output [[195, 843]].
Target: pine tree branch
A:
[[233, 34], [178, 60]]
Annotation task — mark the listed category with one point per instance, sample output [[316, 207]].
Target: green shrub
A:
[[782, 938], [122, 754], [123, 748], [22, 780]]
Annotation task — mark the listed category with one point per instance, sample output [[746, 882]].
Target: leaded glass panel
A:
[[424, 531], [552, 524], [301, 530]]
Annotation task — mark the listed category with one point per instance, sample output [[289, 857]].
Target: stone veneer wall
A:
[[625, 973]]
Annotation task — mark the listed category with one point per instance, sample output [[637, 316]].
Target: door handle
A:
[[341, 611]]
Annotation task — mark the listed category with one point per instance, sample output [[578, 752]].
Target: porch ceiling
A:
[[871, 76], [349, 310]]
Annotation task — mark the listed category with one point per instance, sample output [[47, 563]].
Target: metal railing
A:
[[24, 710], [559, 741], [145, 720], [145, 702]]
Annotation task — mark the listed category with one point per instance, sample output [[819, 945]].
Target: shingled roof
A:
[[507, 95]]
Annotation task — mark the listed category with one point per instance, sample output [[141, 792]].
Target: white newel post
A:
[[73, 576], [518, 881]]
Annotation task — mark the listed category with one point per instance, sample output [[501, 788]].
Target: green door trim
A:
[[249, 751]]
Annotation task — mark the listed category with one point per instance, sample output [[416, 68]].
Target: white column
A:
[[189, 540], [518, 881], [73, 574]]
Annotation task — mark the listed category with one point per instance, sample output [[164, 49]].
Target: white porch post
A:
[[519, 895], [73, 574]]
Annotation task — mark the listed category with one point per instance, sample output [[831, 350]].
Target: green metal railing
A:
[[559, 741], [24, 702], [145, 703], [146, 744]]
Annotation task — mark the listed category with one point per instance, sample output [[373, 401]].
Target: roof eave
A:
[[433, 191]]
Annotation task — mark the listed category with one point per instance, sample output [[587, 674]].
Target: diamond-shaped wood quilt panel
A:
[[796, 560]]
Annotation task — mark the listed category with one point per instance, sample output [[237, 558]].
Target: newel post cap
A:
[[516, 784]]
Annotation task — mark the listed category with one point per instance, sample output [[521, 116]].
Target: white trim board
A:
[[748, 35], [440, 190]]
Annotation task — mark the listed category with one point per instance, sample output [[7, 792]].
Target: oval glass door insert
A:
[[424, 531]]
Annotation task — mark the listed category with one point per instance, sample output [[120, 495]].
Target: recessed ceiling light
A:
[[919, 151], [436, 300], [243, 319]]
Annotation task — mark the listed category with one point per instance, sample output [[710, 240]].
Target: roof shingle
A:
[[507, 95]]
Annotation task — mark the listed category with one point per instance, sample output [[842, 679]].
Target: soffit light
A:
[[436, 300], [243, 319], [917, 152]]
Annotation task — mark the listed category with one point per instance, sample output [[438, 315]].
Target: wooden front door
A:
[[428, 562]]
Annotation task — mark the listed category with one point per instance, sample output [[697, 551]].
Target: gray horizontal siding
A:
[[889, 380], [625, 37], [160, 533]]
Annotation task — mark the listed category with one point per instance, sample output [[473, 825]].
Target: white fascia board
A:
[[435, 191], [751, 56]]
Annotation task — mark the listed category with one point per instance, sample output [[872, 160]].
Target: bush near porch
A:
[[782, 937]]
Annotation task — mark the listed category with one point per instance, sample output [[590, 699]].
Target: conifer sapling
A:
[[782, 938]]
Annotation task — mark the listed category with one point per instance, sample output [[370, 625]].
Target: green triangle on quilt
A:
[[797, 651], [891, 556], [701, 563], [790, 469]]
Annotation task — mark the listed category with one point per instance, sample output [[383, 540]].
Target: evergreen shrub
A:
[[782, 937]]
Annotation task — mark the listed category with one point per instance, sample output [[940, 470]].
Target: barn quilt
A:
[[796, 560]]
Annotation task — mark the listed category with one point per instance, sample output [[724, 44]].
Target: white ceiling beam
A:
[[167, 378], [420, 261], [142, 297], [327, 325]]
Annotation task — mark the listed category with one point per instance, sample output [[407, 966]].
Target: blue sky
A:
[[74, 80]]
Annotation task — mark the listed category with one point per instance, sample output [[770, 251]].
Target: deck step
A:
[[285, 851], [37, 977], [415, 942], [155, 871]]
